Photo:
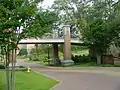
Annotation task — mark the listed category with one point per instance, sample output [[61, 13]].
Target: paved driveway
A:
[[81, 78]]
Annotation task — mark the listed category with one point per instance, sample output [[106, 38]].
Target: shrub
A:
[[21, 67], [79, 48], [38, 57], [23, 52], [2, 66], [40, 53], [82, 59]]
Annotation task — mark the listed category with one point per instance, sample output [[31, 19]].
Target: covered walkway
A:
[[66, 42]]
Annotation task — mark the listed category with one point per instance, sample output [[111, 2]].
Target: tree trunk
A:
[[13, 69], [7, 70], [98, 55]]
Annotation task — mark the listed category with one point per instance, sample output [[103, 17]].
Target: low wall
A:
[[109, 59]]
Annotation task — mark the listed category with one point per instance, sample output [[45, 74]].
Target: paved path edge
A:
[[59, 82]]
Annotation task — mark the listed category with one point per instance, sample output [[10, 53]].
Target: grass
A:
[[87, 64], [94, 64], [110, 65], [29, 81]]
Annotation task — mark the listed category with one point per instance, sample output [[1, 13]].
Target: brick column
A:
[[67, 43], [67, 47]]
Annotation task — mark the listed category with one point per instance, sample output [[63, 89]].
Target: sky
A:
[[47, 3]]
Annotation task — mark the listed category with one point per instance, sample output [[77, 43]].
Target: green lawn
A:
[[87, 64], [29, 81], [94, 64]]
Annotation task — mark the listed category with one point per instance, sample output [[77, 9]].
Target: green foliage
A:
[[40, 53], [2, 66], [79, 48], [22, 19], [42, 49], [43, 53], [23, 52], [97, 25], [98, 35], [40, 57], [78, 59], [89, 64], [97, 20], [42, 24], [109, 65], [14, 14]]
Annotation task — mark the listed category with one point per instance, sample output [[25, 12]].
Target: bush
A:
[[79, 48], [23, 52], [40, 53], [40, 57], [2, 66], [21, 67], [82, 59]]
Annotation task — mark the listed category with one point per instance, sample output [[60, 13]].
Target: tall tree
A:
[[21, 19], [97, 21], [98, 26]]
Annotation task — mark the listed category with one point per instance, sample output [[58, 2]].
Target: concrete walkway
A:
[[92, 78]]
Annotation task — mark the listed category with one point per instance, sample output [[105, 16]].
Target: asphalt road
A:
[[95, 78], [84, 81]]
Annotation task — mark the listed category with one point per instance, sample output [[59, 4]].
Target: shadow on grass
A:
[[2, 87]]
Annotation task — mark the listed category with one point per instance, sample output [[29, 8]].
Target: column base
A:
[[16, 65], [67, 62]]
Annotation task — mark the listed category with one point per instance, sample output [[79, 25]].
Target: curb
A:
[[110, 73]]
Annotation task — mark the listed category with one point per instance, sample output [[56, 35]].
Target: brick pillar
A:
[[67, 47], [67, 43]]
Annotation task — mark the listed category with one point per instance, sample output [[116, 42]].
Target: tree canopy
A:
[[22, 19], [97, 20]]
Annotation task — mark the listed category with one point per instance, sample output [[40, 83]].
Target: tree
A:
[[71, 10], [97, 21], [96, 26], [116, 23], [65, 9], [21, 19]]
